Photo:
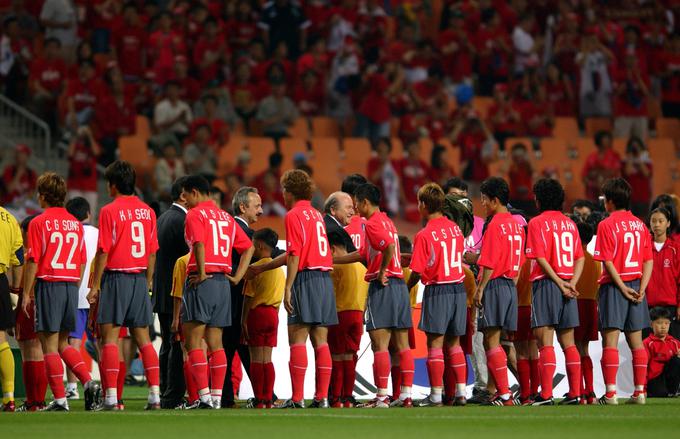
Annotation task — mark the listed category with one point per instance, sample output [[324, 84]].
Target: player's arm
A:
[[149, 270], [578, 271], [291, 273], [29, 283], [628, 293], [247, 300], [199, 252], [349, 258], [176, 309], [647, 267], [413, 280], [387, 255], [277, 262], [564, 286], [99, 262], [243, 264], [479, 292]]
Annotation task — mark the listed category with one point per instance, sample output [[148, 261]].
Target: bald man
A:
[[339, 209]]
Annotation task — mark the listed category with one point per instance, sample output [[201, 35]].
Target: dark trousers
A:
[[231, 339], [171, 365], [667, 383]]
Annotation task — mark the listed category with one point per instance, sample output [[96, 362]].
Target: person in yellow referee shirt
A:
[[11, 261], [351, 291], [260, 317]]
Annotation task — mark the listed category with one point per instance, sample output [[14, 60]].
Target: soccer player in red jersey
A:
[[624, 247], [501, 257], [554, 244], [355, 228], [211, 233], [437, 261], [56, 257], [123, 272], [388, 307]]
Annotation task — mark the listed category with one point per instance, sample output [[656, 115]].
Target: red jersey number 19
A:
[[564, 247], [220, 235], [58, 239], [139, 246], [516, 250], [454, 261]]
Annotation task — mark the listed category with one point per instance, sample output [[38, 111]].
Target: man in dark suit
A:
[[171, 247], [339, 209]]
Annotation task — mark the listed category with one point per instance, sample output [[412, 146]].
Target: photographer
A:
[[637, 170], [477, 148], [83, 153]]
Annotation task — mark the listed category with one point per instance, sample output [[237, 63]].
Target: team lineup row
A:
[[338, 279]]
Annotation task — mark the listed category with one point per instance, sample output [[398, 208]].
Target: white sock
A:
[[204, 395], [61, 401], [505, 396], [405, 392], [382, 393], [611, 388], [460, 390], [72, 387], [111, 396], [436, 394], [154, 397], [640, 389]]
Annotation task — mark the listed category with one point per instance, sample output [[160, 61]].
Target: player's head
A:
[[582, 208], [297, 185], [352, 182], [121, 178], [495, 195], [661, 321], [337, 243], [51, 190], [264, 241], [456, 186], [247, 204], [660, 222], [367, 199], [176, 191], [549, 194], [340, 206], [405, 244], [196, 189], [595, 219], [616, 193], [668, 202], [430, 199], [216, 195], [79, 208], [24, 227], [585, 232]]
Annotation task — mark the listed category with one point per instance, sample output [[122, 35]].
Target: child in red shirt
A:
[[663, 370]]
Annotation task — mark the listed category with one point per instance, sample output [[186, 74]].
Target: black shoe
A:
[[290, 404], [543, 401], [104, 407], [54, 406], [320, 404], [570, 400], [228, 403], [93, 396], [498, 400], [482, 396], [199, 405]]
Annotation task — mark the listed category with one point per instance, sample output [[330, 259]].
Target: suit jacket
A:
[[172, 246], [333, 225]]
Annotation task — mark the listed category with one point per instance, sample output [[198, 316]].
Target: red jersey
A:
[[306, 237], [50, 74], [438, 253], [85, 94], [356, 231], [663, 287], [130, 42], [554, 237], [219, 233], [56, 245], [503, 246], [660, 352], [380, 232], [127, 233], [625, 241], [82, 170]]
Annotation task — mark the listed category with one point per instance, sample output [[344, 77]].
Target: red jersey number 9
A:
[[138, 245]]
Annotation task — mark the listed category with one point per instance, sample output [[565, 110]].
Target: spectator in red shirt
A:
[[383, 172], [244, 95], [316, 59], [413, 173], [83, 152], [82, 94], [189, 88], [457, 50], [559, 92], [494, 50], [19, 179], [630, 100], [164, 45], [601, 165], [567, 45], [103, 14], [521, 178], [309, 95], [664, 286], [670, 78], [47, 80], [637, 170], [504, 116], [210, 51], [663, 369], [242, 29], [129, 44], [440, 169], [214, 119], [426, 93], [477, 146], [538, 117], [373, 118], [115, 115]]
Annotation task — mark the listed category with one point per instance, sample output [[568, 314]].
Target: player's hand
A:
[[287, 301], [25, 302], [568, 290], [253, 271], [233, 280], [93, 296], [477, 298], [174, 326], [197, 279], [630, 294], [641, 295], [382, 278]]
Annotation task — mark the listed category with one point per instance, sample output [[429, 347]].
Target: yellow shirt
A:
[[587, 285], [350, 287], [470, 285], [179, 276], [414, 291], [10, 240], [523, 285], [266, 288]]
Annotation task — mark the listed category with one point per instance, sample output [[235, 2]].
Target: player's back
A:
[[438, 252], [56, 244], [127, 233], [587, 285], [380, 232], [350, 287], [553, 236], [306, 237], [355, 230], [624, 240], [503, 246]]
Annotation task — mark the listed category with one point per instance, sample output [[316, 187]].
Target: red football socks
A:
[[110, 363], [40, 383], [497, 363], [640, 359], [324, 366], [257, 379], [55, 375], [535, 375], [269, 379], [74, 361], [381, 370], [337, 378], [395, 373], [548, 364], [458, 364], [435, 367], [587, 372], [449, 377], [298, 369], [217, 360], [573, 366], [348, 377], [122, 372], [28, 375], [192, 390], [199, 369], [610, 367], [524, 372], [407, 366], [150, 361]]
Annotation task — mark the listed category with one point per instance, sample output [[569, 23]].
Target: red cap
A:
[[24, 149]]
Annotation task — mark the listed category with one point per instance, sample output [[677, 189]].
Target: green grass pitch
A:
[[659, 418]]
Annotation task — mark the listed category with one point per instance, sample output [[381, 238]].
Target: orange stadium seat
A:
[[619, 145], [142, 127], [398, 151], [566, 128], [273, 222], [665, 164], [326, 164], [260, 150], [300, 128], [667, 127], [289, 147], [134, 150], [325, 127], [357, 155], [481, 105], [595, 124]]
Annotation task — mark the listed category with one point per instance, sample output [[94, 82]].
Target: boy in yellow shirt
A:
[[344, 338], [260, 318]]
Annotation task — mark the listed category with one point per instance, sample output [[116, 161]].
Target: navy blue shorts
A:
[[550, 308], [124, 300], [81, 323], [617, 312], [388, 307], [444, 310], [313, 299], [56, 306], [499, 305], [209, 303]]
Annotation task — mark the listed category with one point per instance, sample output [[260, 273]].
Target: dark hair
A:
[[549, 194], [436, 161], [405, 245], [369, 192], [352, 182], [298, 183], [214, 190], [197, 182], [266, 236], [600, 135], [585, 232], [667, 202], [659, 312], [122, 176], [27, 221], [176, 189], [52, 188], [496, 187], [596, 218], [617, 190], [578, 204], [633, 142], [663, 211], [275, 160], [455, 183], [336, 239], [386, 141], [78, 207]]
